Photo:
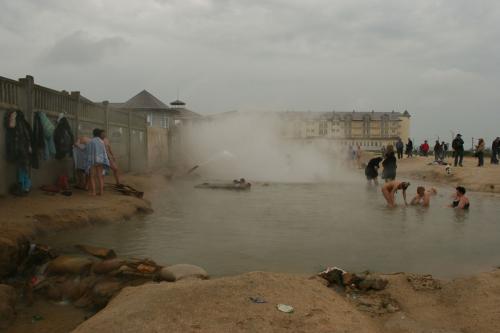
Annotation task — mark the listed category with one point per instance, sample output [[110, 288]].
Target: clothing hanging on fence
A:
[[18, 139], [63, 139], [48, 133], [23, 180], [37, 142]]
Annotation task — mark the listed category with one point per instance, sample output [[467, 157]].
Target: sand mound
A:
[[223, 305]]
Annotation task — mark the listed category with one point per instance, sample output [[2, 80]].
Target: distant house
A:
[[158, 114]]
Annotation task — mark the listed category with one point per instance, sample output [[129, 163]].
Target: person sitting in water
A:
[[389, 191], [460, 201], [241, 183], [423, 197], [371, 170]]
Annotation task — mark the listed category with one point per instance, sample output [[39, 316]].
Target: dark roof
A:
[[183, 113], [144, 100], [178, 103], [85, 99]]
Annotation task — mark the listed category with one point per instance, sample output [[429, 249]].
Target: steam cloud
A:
[[251, 145]]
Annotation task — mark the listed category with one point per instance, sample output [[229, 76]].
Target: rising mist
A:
[[252, 145]]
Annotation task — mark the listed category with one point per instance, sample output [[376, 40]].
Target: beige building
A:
[[163, 124], [370, 130]]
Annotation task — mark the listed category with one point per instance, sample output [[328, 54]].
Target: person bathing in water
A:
[[389, 191], [371, 170], [423, 197], [460, 201]]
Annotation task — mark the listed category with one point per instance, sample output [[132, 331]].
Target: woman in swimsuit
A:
[[460, 201], [389, 191]]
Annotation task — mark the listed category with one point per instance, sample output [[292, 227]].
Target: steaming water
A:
[[302, 228]]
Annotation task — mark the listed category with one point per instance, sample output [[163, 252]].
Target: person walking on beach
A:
[[97, 161], [438, 151], [495, 147], [389, 164], [399, 148], [409, 148], [458, 150], [480, 152], [460, 201], [390, 189]]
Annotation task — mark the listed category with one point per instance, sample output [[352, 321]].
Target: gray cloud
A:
[[438, 59], [79, 48]]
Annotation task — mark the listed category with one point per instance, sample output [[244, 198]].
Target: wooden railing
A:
[[9, 92]]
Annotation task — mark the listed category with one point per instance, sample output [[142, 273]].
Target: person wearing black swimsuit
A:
[[460, 201]]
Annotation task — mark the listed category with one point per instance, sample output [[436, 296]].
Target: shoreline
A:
[[25, 218], [19, 227]]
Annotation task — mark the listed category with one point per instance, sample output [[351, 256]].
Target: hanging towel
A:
[[96, 153], [48, 132]]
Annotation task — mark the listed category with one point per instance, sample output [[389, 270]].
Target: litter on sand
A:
[[285, 308], [257, 300]]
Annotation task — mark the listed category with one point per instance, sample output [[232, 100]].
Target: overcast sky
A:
[[440, 59]]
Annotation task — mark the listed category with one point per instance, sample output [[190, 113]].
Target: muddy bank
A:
[[420, 304], [23, 218]]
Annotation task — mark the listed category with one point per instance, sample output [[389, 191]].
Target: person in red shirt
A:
[[425, 148]]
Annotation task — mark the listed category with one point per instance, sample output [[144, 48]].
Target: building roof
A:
[[144, 100], [342, 115], [178, 103], [183, 113]]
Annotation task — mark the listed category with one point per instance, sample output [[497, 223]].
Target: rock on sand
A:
[[182, 271], [223, 305]]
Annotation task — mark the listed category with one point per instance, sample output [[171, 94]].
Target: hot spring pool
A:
[[302, 228]]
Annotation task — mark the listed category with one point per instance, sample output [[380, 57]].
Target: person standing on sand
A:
[[423, 197], [409, 148], [444, 150], [399, 148], [390, 189], [458, 150], [112, 160], [438, 151], [495, 147], [424, 148], [460, 201], [359, 154], [480, 152], [80, 160], [389, 164], [97, 161]]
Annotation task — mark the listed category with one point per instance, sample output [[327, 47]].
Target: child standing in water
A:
[[97, 161]]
